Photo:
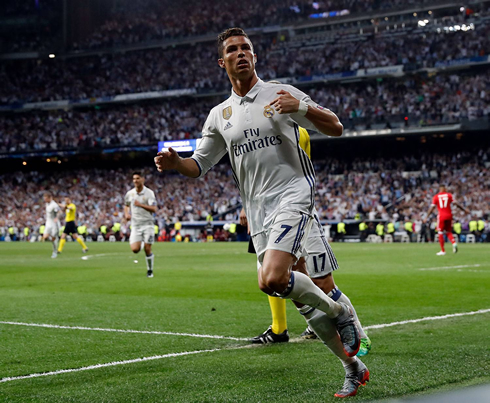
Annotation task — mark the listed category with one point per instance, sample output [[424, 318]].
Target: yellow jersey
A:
[[304, 141], [71, 210]]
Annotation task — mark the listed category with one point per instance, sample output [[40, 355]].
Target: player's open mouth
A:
[[243, 62]]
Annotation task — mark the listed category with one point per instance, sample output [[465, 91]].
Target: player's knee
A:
[[274, 279], [135, 248]]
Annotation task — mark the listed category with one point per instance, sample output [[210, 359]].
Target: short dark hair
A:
[[228, 34], [137, 173]]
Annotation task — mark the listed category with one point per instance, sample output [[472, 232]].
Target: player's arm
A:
[[324, 120], [151, 209], [210, 150], [460, 206], [168, 160], [431, 209], [127, 213]]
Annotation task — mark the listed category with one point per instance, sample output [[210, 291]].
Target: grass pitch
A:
[[211, 289]]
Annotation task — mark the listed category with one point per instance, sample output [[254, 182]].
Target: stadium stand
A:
[[441, 99], [386, 189]]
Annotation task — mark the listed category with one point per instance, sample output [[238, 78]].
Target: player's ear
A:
[[255, 58], [221, 63]]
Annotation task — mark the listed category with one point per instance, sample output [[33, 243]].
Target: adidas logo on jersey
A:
[[228, 126]]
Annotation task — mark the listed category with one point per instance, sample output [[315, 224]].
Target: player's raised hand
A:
[[285, 103], [166, 160]]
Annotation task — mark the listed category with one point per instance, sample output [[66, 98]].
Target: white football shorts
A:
[[321, 259], [288, 233], [145, 233], [52, 229]]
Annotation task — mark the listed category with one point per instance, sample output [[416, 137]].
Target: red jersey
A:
[[443, 202]]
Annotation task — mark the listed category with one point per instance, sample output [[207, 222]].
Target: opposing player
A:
[[52, 224], [140, 205], [70, 226], [258, 127], [443, 201]]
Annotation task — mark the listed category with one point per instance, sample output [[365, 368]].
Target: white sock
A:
[[345, 299], [55, 245], [324, 328], [303, 290], [149, 262]]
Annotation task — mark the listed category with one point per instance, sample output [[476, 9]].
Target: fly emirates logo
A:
[[254, 142]]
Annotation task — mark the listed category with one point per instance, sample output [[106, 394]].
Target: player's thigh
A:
[[448, 225], [70, 228], [136, 235], [148, 233], [51, 231]]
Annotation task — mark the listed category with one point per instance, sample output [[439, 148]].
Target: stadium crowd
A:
[[390, 189], [176, 68], [146, 21], [440, 99]]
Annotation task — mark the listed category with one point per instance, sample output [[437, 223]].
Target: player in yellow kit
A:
[[70, 226]]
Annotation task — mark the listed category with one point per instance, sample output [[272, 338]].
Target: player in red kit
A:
[[443, 201]]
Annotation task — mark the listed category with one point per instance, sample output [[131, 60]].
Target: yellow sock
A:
[[61, 245], [278, 309], [79, 240]]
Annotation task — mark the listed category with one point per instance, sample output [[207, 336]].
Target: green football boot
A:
[[365, 347]]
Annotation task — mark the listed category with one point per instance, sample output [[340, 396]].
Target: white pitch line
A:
[[86, 257], [115, 363], [99, 329], [451, 267], [158, 357], [428, 318]]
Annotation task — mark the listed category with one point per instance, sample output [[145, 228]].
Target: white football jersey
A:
[[272, 171], [52, 210], [139, 216]]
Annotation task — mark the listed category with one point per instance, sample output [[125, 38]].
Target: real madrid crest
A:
[[268, 111], [227, 112]]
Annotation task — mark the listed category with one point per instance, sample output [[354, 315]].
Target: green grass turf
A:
[[212, 289]]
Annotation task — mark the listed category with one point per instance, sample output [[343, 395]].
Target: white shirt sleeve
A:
[[152, 201], [211, 148], [302, 120], [127, 200]]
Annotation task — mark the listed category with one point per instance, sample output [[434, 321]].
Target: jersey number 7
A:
[[286, 230]]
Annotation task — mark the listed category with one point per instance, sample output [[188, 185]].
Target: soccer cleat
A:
[[85, 250], [441, 253], [365, 347], [270, 337], [149, 273], [309, 334], [54, 255], [353, 381], [347, 330], [455, 248]]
